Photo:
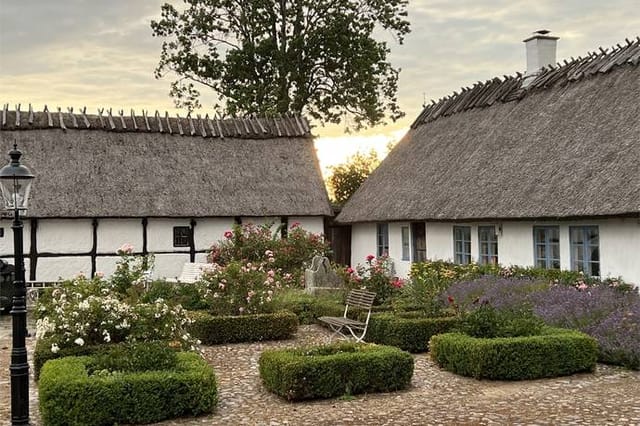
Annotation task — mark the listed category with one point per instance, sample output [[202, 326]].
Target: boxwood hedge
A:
[[140, 356], [410, 331], [70, 395], [213, 330], [555, 352], [333, 370]]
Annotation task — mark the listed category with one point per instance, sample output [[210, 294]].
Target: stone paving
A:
[[610, 396]]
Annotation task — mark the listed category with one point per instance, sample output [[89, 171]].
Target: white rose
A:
[[55, 348], [79, 341]]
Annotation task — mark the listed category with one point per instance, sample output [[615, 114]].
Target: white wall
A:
[[160, 234], [313, 224], [363, 242], [54, 268], [113, 233], [53, 236], [6, 242], [210, 231], [169, 265], [619, 244]]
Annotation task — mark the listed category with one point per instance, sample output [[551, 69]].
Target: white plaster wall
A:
[[620, 249], [402, 267], [6, 242], [54, 268], [160, 234], [169, 265], [64, 236], [210, 231], [313, 224], [363, 242], [113, 233], [515, 245], [106, 264], [439, 241]]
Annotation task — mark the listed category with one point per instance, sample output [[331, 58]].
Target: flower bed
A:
[[409, 331], [80, 391], [214, 330], [334, 370], [554, 352]]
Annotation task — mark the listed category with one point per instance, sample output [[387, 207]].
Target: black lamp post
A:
[[15, 183]]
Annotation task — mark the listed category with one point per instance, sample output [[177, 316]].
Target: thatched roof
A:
[[111, 165], [566, 146]]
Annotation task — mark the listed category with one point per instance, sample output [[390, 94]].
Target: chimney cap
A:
[[541, 34]]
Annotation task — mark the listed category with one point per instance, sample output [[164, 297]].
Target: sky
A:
[[76, 53]]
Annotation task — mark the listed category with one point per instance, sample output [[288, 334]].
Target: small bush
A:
[[214, 330], [68, 395], [308, 308], [488, 322], [555, 352], [191, 296], [334, 370], [408, 331], [377, 276]]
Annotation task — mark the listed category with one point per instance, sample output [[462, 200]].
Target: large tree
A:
[[319, 57]]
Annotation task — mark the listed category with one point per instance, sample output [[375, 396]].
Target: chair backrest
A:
[[191, 272], [361, 299]]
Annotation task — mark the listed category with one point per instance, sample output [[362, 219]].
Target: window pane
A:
[[405, 242]]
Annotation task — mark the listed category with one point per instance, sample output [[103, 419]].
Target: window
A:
[[462, 244], [383, 239], [546, 240], [181, 235], [406, 251], [585, 249], [488, 241]]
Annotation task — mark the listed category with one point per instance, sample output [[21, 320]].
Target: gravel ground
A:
[[610, 396]]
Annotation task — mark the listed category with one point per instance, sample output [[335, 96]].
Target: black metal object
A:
[[7, 276], [19, 367], [15, 181]]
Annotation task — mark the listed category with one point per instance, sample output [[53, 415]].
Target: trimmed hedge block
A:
[[69, 395], [410, 331], [214, 330], [333, 370], [42, 352], [555, 352]]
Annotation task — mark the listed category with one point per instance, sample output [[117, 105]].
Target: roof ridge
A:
[[248, 127], [484, 94]]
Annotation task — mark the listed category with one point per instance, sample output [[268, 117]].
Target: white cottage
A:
[[538, 169], [168, 186]]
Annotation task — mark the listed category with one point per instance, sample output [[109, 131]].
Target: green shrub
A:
[[308, 308], [486, 321], [68, 395], [376, 275], [555, 352], [409, 331], [131, 356], [333, 370], [214, 330], [191, 296]]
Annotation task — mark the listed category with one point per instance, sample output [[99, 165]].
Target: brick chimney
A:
[[541, 52]]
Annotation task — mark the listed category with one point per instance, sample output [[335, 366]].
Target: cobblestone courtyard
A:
[[610, 396]]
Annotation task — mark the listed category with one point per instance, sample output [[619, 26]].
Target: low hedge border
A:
[[333, 370], [42, 352], [555, 352], [69, 396], [215, 330], [409, 331]]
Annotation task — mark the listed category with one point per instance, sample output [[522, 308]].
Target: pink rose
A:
[[126, 249], [228, 234], [350, 270], [370, 258], [295, 225]]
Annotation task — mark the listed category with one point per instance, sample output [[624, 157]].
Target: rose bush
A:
[[89, 311], [376, 275]]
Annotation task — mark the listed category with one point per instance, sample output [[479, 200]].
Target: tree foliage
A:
[[319, 57], [347, 177]]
